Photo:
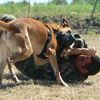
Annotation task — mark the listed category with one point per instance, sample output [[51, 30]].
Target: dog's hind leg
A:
[[1, 74], [2, 67], [10, 67], [53, 62]]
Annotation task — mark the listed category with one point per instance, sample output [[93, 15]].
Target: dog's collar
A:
[[41, 55]]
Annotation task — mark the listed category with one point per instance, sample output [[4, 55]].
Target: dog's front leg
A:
[[53, 62]]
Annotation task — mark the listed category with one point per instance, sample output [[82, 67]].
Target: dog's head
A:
[[61, 31], [66, 38], [62, 27]]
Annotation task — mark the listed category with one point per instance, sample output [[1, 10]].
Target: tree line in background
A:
[[85, 1], [74, 1], [61, 2]]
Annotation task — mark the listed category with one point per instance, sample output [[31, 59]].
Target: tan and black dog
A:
[[25, 36]]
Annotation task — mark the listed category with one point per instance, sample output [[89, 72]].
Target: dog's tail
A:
[[4, 26]]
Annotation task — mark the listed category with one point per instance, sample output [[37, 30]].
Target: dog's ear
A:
[[4, 26], [64, 23]]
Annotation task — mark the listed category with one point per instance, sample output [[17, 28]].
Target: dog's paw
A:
[[65, 84], [61, 82], [16, 80]]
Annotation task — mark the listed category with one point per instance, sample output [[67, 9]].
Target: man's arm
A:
[[79, 51]]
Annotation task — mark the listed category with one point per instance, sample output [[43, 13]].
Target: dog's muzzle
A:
[[65, 40]]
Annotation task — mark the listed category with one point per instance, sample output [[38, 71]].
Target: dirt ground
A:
[[47, 90]]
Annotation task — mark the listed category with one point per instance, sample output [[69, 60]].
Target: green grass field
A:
[[21, 9]]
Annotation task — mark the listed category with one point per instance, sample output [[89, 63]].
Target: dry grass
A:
[[44, 90]]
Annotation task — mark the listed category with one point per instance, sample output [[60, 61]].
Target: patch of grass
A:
[[49, 9], [89, 90]]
